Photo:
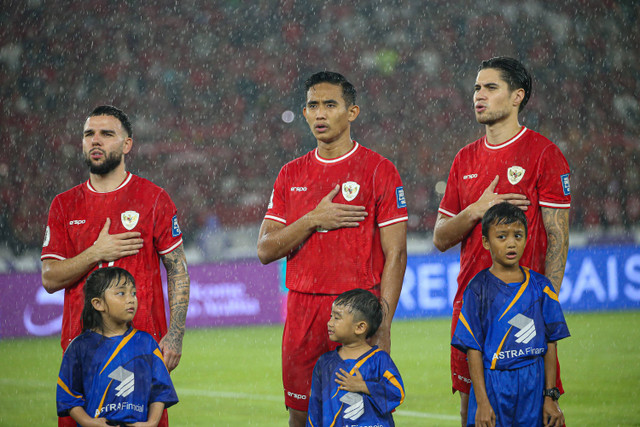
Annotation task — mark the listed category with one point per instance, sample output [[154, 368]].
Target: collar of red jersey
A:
[[337, 159], [125, 182], [506, 143]]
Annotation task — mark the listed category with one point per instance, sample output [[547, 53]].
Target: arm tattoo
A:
[[178, 282], [556, 223]]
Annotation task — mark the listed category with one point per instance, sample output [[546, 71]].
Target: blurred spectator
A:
[[206, 84]]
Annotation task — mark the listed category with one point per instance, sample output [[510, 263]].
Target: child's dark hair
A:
[[503, 213], [97, 282], [364, 306]]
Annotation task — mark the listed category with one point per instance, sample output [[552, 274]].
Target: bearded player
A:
[[338, 215], [509, 164], [117, 219]]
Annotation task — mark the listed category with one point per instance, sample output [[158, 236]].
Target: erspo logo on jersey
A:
[[401, 201], [175, 228]]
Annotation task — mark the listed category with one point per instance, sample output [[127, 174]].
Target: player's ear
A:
[[518, 96], [128, 144], [353, 110]]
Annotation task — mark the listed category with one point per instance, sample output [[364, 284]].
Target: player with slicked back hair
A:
[[513, 164]]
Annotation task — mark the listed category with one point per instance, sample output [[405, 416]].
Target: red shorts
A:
[[304, 340], [460, 377]]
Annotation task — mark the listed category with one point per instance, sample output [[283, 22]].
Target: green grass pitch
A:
[[231, 376]]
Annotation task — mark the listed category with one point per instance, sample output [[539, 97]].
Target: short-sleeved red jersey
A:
[[331, 262], [527, 164], [76, 218]]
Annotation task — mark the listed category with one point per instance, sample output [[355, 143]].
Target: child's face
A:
[[341, 325], [506, 243], [120, 302]]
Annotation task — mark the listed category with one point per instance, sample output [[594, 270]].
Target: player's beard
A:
[[111, 161], [491, 118]]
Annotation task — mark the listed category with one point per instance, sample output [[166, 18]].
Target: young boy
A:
[[356, 384], [509, 324]]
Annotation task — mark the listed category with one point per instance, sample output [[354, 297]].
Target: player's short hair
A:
[[512, 72], [503, 213], [110, 110], [98, 282], [364, 306], [348, 90]]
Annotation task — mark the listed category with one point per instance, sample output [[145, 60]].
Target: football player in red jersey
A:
[[117, 219], [509, 164], [338, 214]]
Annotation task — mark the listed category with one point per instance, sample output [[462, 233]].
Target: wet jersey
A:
[[76, 218]]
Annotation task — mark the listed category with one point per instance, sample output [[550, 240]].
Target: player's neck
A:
[[110, 181], [335, 149], [353, 350], [502, 131], [510, 274]]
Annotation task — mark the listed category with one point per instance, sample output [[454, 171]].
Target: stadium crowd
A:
[[206, 85]]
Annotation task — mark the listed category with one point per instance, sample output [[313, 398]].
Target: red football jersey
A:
[[331, 262], [75, 220], [527, 164]]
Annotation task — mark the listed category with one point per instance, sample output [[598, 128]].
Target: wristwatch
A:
[[553, 393]]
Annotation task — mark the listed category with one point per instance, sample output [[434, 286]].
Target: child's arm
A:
[[484, 415], [81, 417], [552, 415]]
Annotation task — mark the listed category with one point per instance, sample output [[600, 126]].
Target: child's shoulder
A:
[[479, 280], [143, 336], [537, 278]]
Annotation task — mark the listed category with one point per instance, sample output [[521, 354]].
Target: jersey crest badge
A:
[[350, 190], [515, 174], [130, 219]]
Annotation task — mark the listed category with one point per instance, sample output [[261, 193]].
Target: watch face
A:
[[553, 393]]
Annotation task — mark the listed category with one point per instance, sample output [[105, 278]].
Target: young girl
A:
[[113, 374]]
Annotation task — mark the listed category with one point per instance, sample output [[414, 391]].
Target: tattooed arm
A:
[[178, 287], [556, 223]]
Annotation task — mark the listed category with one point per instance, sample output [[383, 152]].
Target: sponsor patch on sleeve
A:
[[271, 200], [565, 184], [400, 200], [175, 228]]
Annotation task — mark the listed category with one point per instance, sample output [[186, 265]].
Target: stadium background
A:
[[206, 85]]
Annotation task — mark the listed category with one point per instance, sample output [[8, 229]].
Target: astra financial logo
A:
[[127, 381], [527, 328]]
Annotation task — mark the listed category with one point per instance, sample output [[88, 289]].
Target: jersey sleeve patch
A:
[[175, 228], [400, 200], [565, 184]]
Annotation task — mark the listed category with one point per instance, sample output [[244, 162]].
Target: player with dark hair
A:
[[117, 219], [113, 374], [338, 215], [355, 384], [509, 164], [508, 326]]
